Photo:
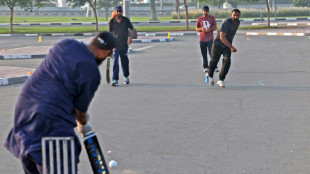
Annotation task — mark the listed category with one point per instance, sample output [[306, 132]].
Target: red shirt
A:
[[207, 22]]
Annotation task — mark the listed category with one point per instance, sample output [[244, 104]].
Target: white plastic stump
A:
[[50, 141]]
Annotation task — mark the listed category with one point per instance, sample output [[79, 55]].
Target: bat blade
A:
[[108, 71], [94, 153]]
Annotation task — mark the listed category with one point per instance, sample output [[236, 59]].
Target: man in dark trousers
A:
[[119, 26], [56, 97], [206, 24], [222, 45]]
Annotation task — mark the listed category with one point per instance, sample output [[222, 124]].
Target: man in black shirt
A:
[[118, 26], [223, 45]]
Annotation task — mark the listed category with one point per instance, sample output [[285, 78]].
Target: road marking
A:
[[143, 48]]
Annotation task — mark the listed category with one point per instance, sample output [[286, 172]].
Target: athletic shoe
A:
[[221, 83], [126, 80], [115, 83], [209, 79], [216, 69], [206, 70]]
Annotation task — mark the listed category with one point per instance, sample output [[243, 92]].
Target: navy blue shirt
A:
[[230, 29], [66, 79]]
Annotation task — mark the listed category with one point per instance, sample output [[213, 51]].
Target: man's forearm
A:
[[81, 117], [132, 33]]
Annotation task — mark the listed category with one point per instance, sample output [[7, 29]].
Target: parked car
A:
[[182, 7]]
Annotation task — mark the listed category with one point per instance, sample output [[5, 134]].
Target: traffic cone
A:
[[40, 38], [4, 49], [168, 35]]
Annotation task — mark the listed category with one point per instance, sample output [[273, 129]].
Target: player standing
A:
[[222, 45], [56, 97], [206, 24], [119, 27]]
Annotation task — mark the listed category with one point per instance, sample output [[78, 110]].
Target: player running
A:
[[222, 45]]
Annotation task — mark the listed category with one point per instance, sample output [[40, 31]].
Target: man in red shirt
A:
[[206, 24]]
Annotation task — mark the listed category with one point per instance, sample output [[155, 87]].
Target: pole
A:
[[275, 10], [126, 8]]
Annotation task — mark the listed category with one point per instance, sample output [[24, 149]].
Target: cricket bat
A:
[[94, 153], [108, 71]]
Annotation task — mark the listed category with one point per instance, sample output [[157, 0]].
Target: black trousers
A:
[[216, 53], [205, 47]]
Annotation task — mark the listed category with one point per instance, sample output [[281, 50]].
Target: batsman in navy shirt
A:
[[56, 97]]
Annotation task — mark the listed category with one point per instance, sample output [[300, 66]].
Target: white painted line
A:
[[248, 20], [143, 48], [291, 19], [287, 34], [271, 34], [291, 24], [146, 41], [251, 33], [4, 81], [45, 23], [150, 34], [5, 35], [65, 23], [87, 34], [31, 35], [86, 23], [16, 56], [308, 23], [273, 24], [300, 34], [101, 23], [58, 34], [176, 34]]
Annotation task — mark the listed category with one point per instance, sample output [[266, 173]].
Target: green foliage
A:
[[301, 3], [247, 13], [108, 3]]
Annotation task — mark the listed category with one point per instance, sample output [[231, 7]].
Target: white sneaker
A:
[[209, 80], [206, 70], [221, 83]]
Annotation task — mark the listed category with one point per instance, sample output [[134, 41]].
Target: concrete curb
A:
[[144, 22], [13, 80], [7, 57]]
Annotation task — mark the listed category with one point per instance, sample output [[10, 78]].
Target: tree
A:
[[186, 15], [27, 5], [107, 4], [92, 4], [301, 3], [177, 6], [153, 11], [268, 11]]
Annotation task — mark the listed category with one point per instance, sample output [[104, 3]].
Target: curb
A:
[[13, 80], [144, 22], [7, 57]]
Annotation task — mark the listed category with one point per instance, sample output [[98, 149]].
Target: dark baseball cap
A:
[[107, 40], [118, 8]]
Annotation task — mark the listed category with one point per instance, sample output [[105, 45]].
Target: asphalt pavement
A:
[[169, 121], [8, 76]]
